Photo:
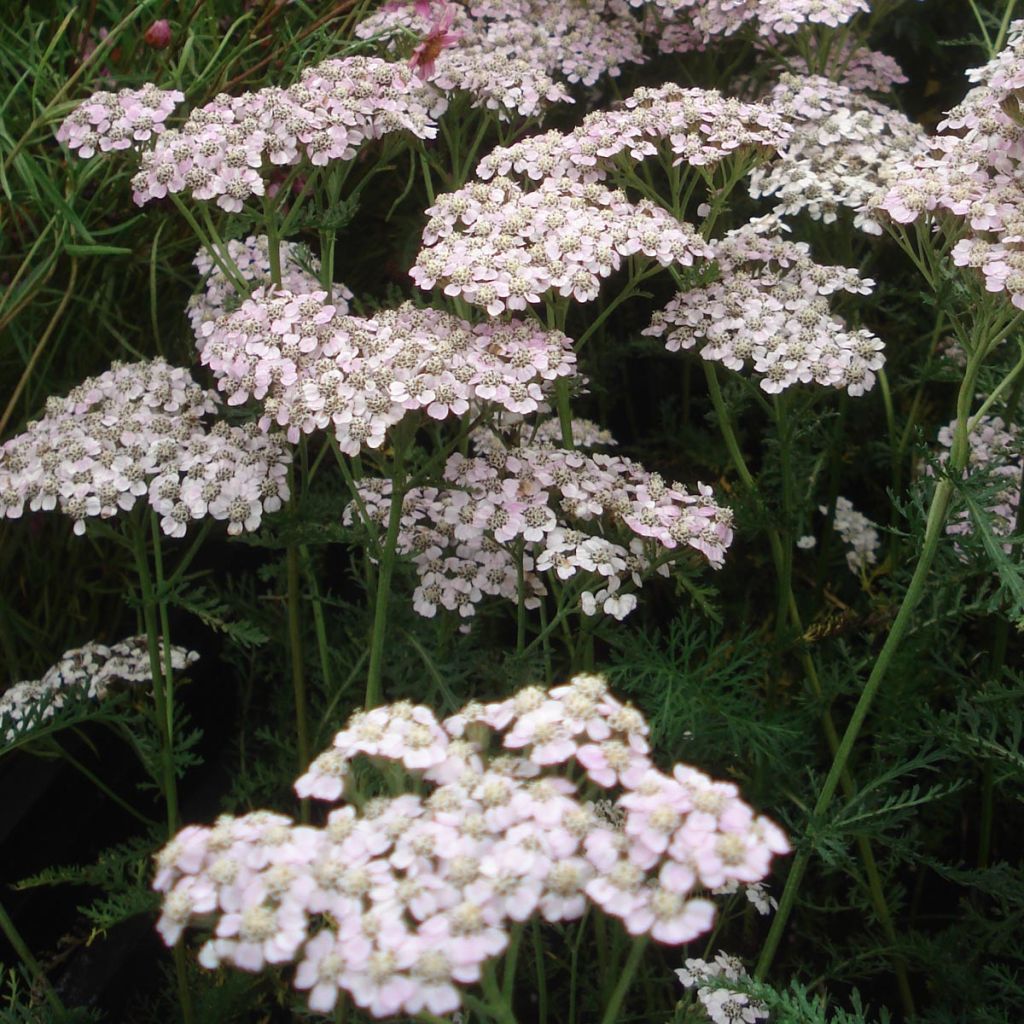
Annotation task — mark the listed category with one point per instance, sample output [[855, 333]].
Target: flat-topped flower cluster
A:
[[138, 433], [501, 247], [698, 127], [227, 149], [770, 309], [513, 514], [970, 177], [523, 44], [315, 368], [402, 900], [769, 19], [83, 673], [845, 151], [123, 119]]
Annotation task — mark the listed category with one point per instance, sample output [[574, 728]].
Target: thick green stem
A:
[[636, 953], [385, 568], [31, 963]]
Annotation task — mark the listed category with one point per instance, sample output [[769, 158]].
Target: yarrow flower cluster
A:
[[699, 127], [517, 513], [83, 673], [227, 149], [118, 120], [857, 532], [137, 432], [522, 43], [770, 18], [859, 68], [997, 451], [770, 308], [500, 247], [402, 904], [250, 261], [720, 1002], [315, 368], [972, 174], [511, 430], [844, 152]]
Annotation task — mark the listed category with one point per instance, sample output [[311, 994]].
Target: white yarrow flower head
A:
[[140, 433], [88, 673], [770, 310], [556, 511], [402, 902]]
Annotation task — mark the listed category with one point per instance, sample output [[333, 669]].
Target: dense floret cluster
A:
[[124, 119], [770, 309], [227, 149], [511, 515], [402, 900], [138, 433], [845, 151], [82, 674], [500, 247], [315, 368]]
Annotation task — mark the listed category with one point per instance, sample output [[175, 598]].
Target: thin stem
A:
[[496, 1004], [538, 961], [31, 963], [104, 788], [385, 568], [159, 695], [636, 952], [295, 650], [936, 520], [508, 978]]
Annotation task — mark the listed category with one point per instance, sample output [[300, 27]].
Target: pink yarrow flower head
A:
[[402, 901], [437, 39]]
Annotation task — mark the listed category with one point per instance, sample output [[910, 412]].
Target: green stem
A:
[[538, 961], [159, 694], [786, 533], [496, 1003], [636, 952], [295, 649], [31, 963], [933, 530], [385, 568], [104, 788], [508, 978]]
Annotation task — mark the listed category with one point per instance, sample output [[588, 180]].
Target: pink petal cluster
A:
[[997, 451], [315, 368], [538, 39], [770, 309], [844, 152], [250, 261], [83, 673], [137, 433], [402, 904], [227, 149], [501, 247], [971, 175], [769, 18], [858, 68], [544, 509], [699, 127], [118, 120]]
